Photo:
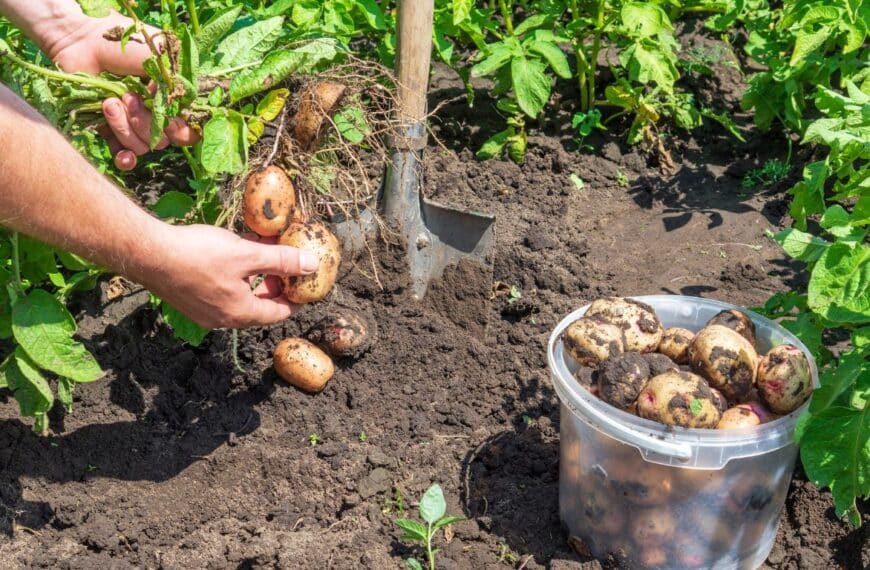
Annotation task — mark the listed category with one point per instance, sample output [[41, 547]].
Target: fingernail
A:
[[308, 262], [113, 109]]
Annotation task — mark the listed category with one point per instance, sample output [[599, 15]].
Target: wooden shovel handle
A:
[[414, 51]]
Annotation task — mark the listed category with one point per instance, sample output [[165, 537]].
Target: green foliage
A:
[[433, 511]]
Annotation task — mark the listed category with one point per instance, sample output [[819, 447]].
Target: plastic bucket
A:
[[667, 497]]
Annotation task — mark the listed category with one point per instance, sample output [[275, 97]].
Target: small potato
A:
[[659, 363], [601, 513], [621, 378], [591, 341], [678, 399], [743, 415], [736, 321], [569, 461], [719, 400], [644, 484], [653, 557], [302, 364], [689, 551], [784, 379], [652, 527], [314, 237], [726, 359], [643, 330], [749, 496], [316, 105], [269, 201], [343, 334], [587, 377], [675, 344]]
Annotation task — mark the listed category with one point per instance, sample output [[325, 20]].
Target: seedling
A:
[[314, 439], [621, 178], [506, 555], [773, 171], [398, 502], [514, 295], [577, 181], [363, 437], [433, 511], [528, 420]]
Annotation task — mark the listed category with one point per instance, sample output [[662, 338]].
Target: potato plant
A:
[[433, 511]]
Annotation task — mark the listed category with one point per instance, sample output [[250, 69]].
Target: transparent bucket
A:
[[659, 496]]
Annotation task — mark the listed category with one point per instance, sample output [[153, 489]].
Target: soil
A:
[[177, 460]]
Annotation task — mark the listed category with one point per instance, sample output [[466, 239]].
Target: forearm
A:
[[48, 191], [46, 21]]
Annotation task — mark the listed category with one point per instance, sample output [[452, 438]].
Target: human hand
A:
[[206, 273], [128, 128]]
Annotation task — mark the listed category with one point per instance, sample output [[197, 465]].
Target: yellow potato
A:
[[269, 201], [302, 364], [316, 238], [675, 344], [317, 103]]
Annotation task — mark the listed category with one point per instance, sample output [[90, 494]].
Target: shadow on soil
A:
[[195, 404]]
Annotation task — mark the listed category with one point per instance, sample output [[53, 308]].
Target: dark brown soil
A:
[[176, 460]]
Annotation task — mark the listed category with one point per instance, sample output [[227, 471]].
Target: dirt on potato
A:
[[176, 460]]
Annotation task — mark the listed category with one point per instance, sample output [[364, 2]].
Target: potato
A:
[[653, 557], [621, 378], [719, 400], [652, 527], [749, 496], [784, 378], [269, 201], [640, 483], [643, 330], [587, 377], [678, 399], [659, 363], [601, 513], [675, 344], [591, 341], [343, 334], [317, 238], [302, 364], [317, 103], [690, 551], [745, 415], [569, 461], [736, 321], [726, 359]]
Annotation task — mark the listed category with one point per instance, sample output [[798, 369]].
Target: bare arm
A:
[[48, 191]]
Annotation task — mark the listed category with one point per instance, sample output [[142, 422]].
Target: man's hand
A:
[[207, 275], [129, 123]]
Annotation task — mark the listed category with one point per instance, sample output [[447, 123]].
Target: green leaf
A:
[[839, 287], [270, 106], [835, 219], [493, 146], [216, 28], [516, 147], [216, 97], [531, 23], [498, 56], [224, 144], [65, 389], [159, 119], [432, 505], [189, 56], [645, 19], [306, 13], [696, 406], [255, 130], [650, 63], [554, 56], [30, 388], [808, 42], [351, 124], [834, 382], [801, 245], [183, 327], [835, 450], [413, 564], [98, 8], [73, 262], [44, 328], [372, 13], [173, 204], [247, 45], [413, 529], [461, 10], [444, 521], [279, 65], [531, 84]]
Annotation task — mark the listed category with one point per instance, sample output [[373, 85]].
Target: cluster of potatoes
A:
[[271, 210], [653, 516], [712, 378]]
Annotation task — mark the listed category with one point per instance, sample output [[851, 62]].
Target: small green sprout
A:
[[363, 437], [314, 439], [621, 178], [773, 171], [433, 509]]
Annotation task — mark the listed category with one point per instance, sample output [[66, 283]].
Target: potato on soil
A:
[[621, 378], [678, 399], [675, 344], [736, 321], [643, 330], [269, 201], [784, 378], [343, 334], [591, 341], [745, 415], [317, 103], [726, 359], [652, 527], [316, 238], [659, 363], [302, 364]]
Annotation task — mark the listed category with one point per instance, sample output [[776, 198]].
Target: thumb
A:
[[123, 62], [281, 260]]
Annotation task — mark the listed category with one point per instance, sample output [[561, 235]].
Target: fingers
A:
[[117, 116], [280, 260], [181, 133], [268, 311], [269, 288], [125, 160]]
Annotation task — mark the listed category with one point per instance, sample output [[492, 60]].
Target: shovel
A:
[[436, 236]]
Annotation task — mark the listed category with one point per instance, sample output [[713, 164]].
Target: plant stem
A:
[[506, 14], [429, 552], [582, 64], [194, 17], [16, 264], [140, 27], [235, 349], [596, 46], [173, 13], [112, 87]]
